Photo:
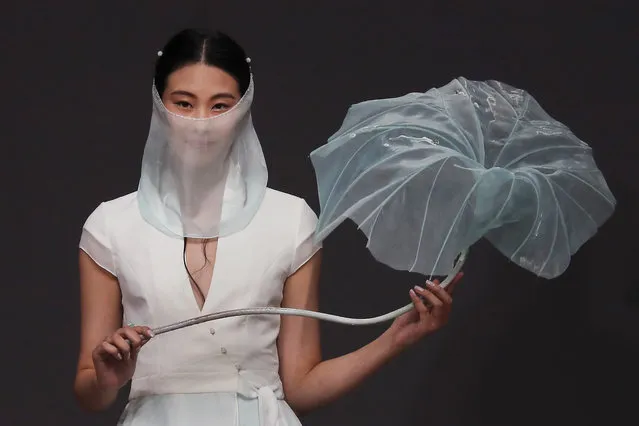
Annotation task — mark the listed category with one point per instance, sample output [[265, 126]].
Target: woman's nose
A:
[[202, 113]]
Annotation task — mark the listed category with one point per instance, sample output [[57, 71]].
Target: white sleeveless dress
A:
[[224, 372]]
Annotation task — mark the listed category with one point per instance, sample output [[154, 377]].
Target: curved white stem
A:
[[305, 313]]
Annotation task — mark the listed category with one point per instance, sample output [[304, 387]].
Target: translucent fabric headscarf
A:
[[202, 177]]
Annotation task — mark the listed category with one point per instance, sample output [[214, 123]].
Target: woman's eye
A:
[[220, 107], [183, 105]]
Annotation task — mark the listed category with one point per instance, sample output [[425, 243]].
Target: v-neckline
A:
[[214, 273]]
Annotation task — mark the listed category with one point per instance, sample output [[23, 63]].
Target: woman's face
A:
[[203, 93], [200, 91]]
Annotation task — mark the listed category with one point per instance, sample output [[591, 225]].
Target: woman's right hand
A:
[[115, 357]]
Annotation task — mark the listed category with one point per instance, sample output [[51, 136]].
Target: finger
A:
[[426, 302], [431, 299], [429, 294], [451, 287], [132, 336], [123, 346], [107, 349], [420, 307], [144, 331], [440, 292]]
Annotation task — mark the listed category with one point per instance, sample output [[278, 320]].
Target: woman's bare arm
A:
[[308, 381], [101, 316]]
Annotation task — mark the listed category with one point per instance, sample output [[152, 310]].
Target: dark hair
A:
[[212, 48]]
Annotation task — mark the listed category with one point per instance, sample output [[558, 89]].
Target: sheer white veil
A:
[[202, 177]]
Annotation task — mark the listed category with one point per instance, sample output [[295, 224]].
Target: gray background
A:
[[518, 350]]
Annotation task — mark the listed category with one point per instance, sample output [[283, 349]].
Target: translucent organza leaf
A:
[[426, 175]]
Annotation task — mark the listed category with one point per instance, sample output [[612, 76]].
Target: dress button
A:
[[223, 350], [237, 367], [212, 331]]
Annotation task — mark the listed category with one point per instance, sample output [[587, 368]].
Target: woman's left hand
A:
[[428, 316]]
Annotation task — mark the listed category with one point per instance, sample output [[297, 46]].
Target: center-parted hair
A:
[[214, 48]]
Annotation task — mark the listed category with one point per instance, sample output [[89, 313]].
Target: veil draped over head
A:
[[202, 177]]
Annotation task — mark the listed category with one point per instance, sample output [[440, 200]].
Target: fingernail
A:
[[119, 357], [151, 334], [412, 292], [418, 288]]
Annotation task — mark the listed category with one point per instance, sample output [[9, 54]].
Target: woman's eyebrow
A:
[[222, 96]]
